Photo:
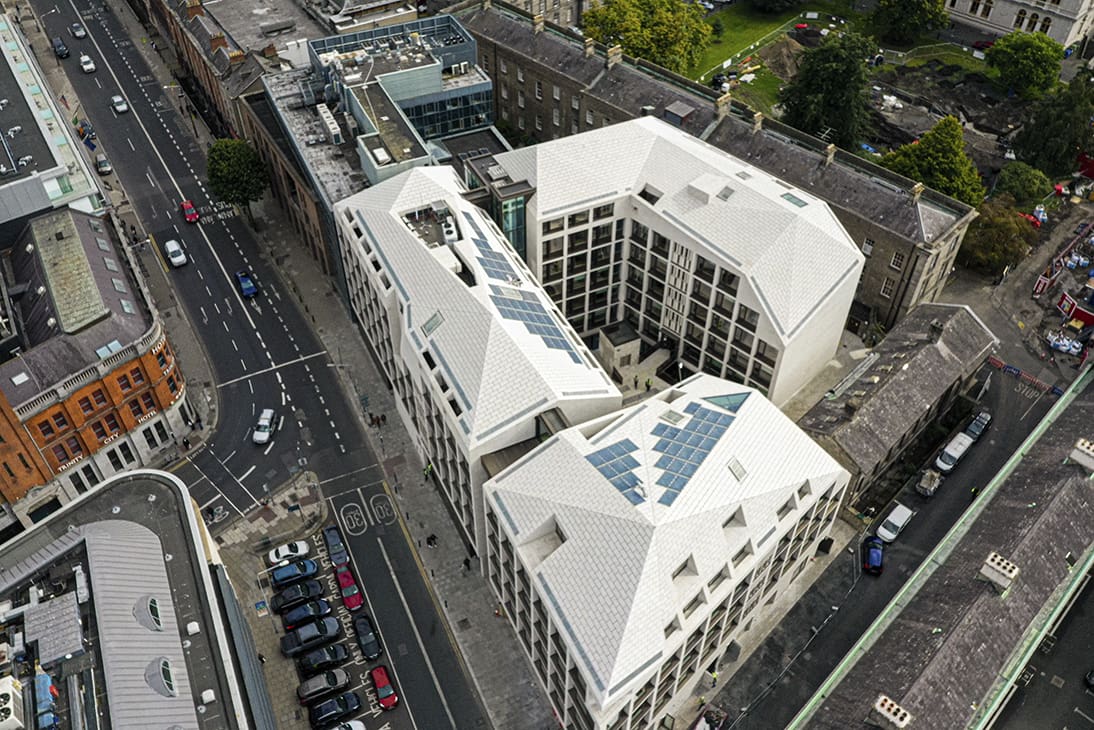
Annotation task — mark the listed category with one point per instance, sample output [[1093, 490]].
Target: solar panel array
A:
[[617, 465], [493, 262], [524, 307], [683, 450]]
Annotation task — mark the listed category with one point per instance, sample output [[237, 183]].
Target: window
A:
[[504, 91], [601, 212], [147, 401], [1020, 19], [172, 386], [160, 431], [60, 421], [556, 93], [149, 438], [137, 376], [589, 118], [555, 117], [520, 123], [85, 405], [124, 384], [60, 454], [1032, 25], [46, 428], [111, 422], [520, 98], [575, 103], [741, 556], [127, 453], [114, 460], [897, 262], [578, 219], [786, 508], [539, 123], [539, 89], [887, 287], [747, 318], [694, 604], [99, 430], [74, 445], [77, 482], [503, 66], [161, 359], [986, 12], [718, 579], [867, 247], [23, 461], [485, 63], [7, 469], [135, 408], [974, 7], [99, 397], [520, 74], [1045, 24]]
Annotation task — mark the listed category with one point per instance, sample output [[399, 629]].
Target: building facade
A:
[[682, 520], [551, 83], [89, 384], [482, 365], [1065, 21], [737, 273]]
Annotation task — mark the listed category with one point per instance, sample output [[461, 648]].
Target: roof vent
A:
[[890, 714], [1083, 453], [999, 571]]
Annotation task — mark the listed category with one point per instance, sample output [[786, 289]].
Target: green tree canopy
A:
[[998, 238], [1029, 63], [904, 20], [236, 173], [1024, 183], [775, 6], [1059, 129], [670, 33], [830, 90], [938, 160]]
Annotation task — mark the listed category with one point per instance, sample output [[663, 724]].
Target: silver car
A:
[[174, 252], [322, 684], [121, 106]]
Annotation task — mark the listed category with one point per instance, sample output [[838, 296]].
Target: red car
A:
[[983, 45], [189, 212], [385, 690], [351, 594], [1031, 218]]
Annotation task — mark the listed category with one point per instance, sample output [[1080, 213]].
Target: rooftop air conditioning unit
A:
[[890, 714], [999, 571], [11, 704]]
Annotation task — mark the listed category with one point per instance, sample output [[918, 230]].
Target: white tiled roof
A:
[[626, 550], [785, 240], [498, 367]]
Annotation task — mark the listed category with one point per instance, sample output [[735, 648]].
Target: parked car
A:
[[873, 553], [349, 725], [119, 104], [189, 212], [983, 45], [336, 549], [305, 612], [294, 595], [324, 658], [85, 130], [310, 635], [173, 250], [978, 425], [246, 284], [385, 690], [264, 428], [59, 48], [367, 638], [334, 709], [102, 165], [87, 65], [321, 684], [898, 519], [293, 572], [953, 452], [77, 31], [288, 551], [351, 594]]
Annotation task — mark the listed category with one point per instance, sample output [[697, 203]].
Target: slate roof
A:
[[787, 242], [499, 368], [912, 374], [625, 545], [943, 655]]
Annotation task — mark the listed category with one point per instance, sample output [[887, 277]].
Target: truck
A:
[[929, 482]]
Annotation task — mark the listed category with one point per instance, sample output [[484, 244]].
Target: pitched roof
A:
[[785, 240], [633, 496]]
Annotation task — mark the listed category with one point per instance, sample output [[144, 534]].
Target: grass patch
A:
[[762, 94]]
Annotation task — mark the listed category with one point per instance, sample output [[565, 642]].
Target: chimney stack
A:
[[194, 8], [615, 55], [829, 154], [917, 190], [537, 23], [590, 47], [936, 330], [217, 41], [757, 121], [722, 105]]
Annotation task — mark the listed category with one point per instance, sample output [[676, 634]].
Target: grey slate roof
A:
[[912, 374], [941, 655]]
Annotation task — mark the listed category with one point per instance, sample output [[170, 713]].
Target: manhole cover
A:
[[1057, 681], [463, 624]]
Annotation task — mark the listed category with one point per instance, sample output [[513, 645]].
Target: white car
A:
[[897, 520], [86, 63], [121, 106], [264, 428], [175, 254], [289, 551]]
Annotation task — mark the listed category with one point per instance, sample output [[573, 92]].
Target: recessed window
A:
[[887, 288], [897, 262], [741, 555], [867, 247], [786, 509]]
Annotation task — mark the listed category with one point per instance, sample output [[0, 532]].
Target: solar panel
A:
[[616, 464], [683, 450], [528, 310]]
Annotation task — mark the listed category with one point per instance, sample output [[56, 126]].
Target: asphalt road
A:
[[264, 355], [784, 672]]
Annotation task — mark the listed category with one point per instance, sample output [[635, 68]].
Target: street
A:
[[263, 354]]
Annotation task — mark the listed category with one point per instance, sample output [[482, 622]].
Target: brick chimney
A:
[[917, 190], [537, 23], [722, 105], [485, 4], [615, 55], [829, 154], [757, 121], [236, 57], [194, 8], [590, 48], [217, 41]]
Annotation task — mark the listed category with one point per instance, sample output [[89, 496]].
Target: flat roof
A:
[[255, 27]]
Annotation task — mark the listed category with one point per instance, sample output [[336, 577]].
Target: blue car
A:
[[306, 612], [336, 549], [246, 284], [873, 550], [293, 572]]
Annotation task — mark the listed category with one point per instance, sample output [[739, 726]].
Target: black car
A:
[[334, 709], [978, 425], [295, 595], [310, 635], [305, 612], [336, 549], [320, 659], [367, 638]]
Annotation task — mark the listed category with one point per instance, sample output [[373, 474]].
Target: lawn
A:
[[742, 26]]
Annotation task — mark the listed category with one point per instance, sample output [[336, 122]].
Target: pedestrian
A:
[[431, 541], [198, 423], [636, 382], [467, 564], [427, 470], [649, 384], [383, 419], [153, 45], [972, 494], [262, 658], [185, 443]]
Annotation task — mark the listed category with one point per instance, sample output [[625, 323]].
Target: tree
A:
[[1059, 129], [670, 33], [829, 91], [1024, 183], [938, 160], [904, 20], [236, 173], [1029, 63], [998, 238], [775, 6]]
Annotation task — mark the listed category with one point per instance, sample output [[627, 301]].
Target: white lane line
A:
[[282, 397], [251, 385], [267, 451], [225, 325], [246, 474], [127, 139], [351, 473], [274, 368], [222, 494], [279, 379], [201, 275], [229, 456], [216, 308]]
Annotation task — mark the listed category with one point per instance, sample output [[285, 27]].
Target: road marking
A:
[[247, 473], [418, 636], [229, 456], [1085, 716], [223, 322], [267, 451], [271, 368], [222, 494]]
